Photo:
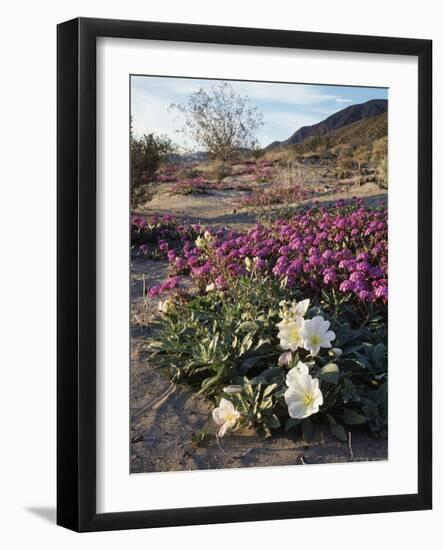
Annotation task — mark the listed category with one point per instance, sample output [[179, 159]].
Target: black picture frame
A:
[[76, 280]]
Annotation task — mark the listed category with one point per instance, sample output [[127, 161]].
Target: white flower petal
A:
[[223, 430], [218, 416], [325, 326], [302, 307], [297, 409], [226, 405]]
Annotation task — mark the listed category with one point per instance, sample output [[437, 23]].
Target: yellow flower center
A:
[[230, 417], [295, 335], [308, 399], [315, 340]]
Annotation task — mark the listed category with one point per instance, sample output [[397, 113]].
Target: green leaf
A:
[[339, 432], [248, 326], [351, 349], [274, 422], [353, 418], [274, 372], [378, 352], [307, 429], [336, 429], [329, 373], [291, 422], [258, 380], [250, 362]]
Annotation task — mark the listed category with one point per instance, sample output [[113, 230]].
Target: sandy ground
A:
[[218, 208]]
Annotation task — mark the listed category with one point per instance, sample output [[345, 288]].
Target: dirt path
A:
[[218, 208], [211, 208], [165, 417]]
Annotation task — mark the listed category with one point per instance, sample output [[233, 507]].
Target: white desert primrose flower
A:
[[316, 334], [210, 287], [290, 334], [303, 397], [300, 308], [300, 369], [226, 416]]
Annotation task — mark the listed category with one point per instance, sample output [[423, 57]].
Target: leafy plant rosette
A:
[[272, 359]]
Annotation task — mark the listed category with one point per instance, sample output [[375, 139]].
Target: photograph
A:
[[259, 274]]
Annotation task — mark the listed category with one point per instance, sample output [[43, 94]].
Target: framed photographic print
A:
[[244, 254]]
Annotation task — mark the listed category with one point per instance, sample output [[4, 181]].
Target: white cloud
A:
[[291, 94], [343, 100]]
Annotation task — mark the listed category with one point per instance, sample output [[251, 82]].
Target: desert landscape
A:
[[232, 252]]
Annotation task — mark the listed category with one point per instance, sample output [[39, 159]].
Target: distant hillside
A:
[[189, 158], [361, 132], [341, 119]]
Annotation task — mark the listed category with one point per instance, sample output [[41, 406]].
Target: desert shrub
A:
[[345, 162], [288, 173], [220, 120], [219, 170], [141, 194], [379, 160], [188, 172], [286, 154], [361, 156], [147, 153]]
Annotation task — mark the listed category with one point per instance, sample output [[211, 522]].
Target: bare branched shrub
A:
[[220, 120]]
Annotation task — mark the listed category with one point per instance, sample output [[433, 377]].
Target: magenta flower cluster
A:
[[158, 236], [342, 248], [275, 194], [173, 283]]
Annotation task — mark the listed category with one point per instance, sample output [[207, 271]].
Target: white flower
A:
[[248, 264], [210, 287], [303, 397], [290, 334], [316, 335], [299, 370], [233, 388], [225, 415], [300, 308]]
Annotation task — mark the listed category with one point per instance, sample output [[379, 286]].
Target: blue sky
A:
[[285, 107]]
